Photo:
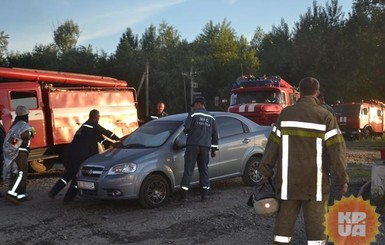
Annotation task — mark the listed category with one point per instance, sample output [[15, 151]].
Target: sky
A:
[[102, 22]]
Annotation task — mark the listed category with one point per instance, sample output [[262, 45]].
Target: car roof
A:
[[182, 117]]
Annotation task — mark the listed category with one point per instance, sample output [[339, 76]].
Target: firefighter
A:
[[202, 136], [16, 151], [303, 142], [83, 145]]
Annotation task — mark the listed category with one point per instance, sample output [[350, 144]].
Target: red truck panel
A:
[[69, 109]]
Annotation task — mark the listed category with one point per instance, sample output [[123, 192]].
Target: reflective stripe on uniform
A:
[[285, 153], [332, 133], [285, 166], [282, 239], [88, 126], [319, 242], [17, 182], [319, 169], [185, 188], [65, 182], [202, 114], [304, 125], [21, 196]]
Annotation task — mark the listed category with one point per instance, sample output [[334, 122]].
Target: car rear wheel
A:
[[155, 192], [249, 176]]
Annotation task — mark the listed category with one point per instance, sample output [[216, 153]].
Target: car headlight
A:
[[122, 168]]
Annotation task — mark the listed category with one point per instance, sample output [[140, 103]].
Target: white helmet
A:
[[264, 201], [266, 207]]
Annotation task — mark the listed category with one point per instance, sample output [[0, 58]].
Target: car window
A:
[[151, 134], [228, 126]]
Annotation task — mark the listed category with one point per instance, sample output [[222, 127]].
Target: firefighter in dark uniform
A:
[[16, 152], [83, 145], [304, 141], [202, 136]]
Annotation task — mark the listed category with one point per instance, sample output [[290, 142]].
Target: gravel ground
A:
[[223, 219]]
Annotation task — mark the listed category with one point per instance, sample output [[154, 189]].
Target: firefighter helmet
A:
[[264, 201], [266, 207]]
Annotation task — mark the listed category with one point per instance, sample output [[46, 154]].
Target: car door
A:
[[178, 159], [235, 142]]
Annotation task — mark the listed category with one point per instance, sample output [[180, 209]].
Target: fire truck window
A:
[[283, 98], [364, 111], [229, 126], [27, 99]]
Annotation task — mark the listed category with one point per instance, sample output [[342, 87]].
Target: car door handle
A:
[[246, 140]]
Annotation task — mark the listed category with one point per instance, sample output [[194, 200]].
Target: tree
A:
[[3, 47], [256, 42], [317, 43], [276, 52], [66, 36], [219, 57]]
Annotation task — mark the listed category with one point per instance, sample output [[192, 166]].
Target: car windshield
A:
[[151, 134], [254, 97], [347, 110]]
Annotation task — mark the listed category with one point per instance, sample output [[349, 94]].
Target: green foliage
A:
[[66, 36], [345, 53], [3, 46]]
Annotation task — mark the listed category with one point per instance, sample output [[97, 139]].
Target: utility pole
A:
[[185, 74], [192, 85]]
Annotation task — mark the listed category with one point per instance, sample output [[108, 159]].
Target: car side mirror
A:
[[179, 143]]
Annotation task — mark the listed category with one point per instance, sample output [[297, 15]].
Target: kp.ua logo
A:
[[352, 221]]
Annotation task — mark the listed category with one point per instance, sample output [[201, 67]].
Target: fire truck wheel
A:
[[249, 176], [41, 166], [367, 133], [37, 166]]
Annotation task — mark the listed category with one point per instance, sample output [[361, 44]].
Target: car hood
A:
[[119, 155]]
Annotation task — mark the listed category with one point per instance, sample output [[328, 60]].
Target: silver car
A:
[[148, 164]]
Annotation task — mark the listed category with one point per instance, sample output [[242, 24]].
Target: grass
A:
[[378, 142], [359, 171]]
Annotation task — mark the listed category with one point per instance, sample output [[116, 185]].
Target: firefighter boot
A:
[[183, 197], [60, 184], [71, 193], [204, 193]]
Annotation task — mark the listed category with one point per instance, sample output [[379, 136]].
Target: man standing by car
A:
[[202, 136], [83, 145], [303, 143]]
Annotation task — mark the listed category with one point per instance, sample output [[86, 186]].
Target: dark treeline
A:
[[345, 51]]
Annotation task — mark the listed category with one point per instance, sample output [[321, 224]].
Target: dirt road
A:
[[224, 219]]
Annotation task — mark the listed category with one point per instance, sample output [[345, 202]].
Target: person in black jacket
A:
[[83, 145], [202, 135]]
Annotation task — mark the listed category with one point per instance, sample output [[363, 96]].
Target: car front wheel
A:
[[155, 191], [249, 176]]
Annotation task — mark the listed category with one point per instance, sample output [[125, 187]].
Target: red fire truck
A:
[[59, 103], [360, 119], [261, 99]]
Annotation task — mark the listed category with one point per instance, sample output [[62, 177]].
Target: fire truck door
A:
[[364, 116], [376, 119], [32, 100]]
